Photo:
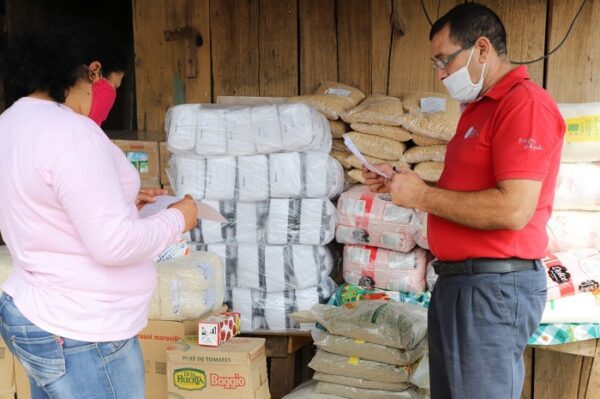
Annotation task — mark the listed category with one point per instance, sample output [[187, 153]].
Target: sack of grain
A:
[[341, 157], [353, 94], [338, 145], [360, 382], [338, 129], [378, 147], [355, 176], [331, 99], [419, 154], [437, 125], [376, 109], [390, 132], [360, 393], [582, 138], [422, 140], [353, 161], [429, 171]]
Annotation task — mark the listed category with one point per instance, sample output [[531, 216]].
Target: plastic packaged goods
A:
[[273, 268], [425, 141], [582, 138], [258, 177], [391, 132], [276, 221], [341, 156], [431, 276], [382, 268], [419, 229], [569, 230], [325, 362], [338, 129], [213, 130], [376, 109], [419, 154], [338, 145], [440, 125], [378, 147], [429, 171], [188, 287], [398, 325], [368, 218], [261, 310], [361, 393], [578, 187], [350, 347], [355, 176], [354, 162], [360, 382], [572, 272], [307, 391], [581, 308], [329, 87]]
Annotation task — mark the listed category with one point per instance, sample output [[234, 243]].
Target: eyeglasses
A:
[[439, 63]]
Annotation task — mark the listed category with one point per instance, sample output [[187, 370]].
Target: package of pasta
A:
[[378, 110], [431, 115], [429, 171], [356, 163], [398, 325], [436, 153], [258, 177], [382, 268], [341, 156], [213, 130], [391, 132], [338, 129]]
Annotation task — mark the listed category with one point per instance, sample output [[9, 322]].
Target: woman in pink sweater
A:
[[82, 257]]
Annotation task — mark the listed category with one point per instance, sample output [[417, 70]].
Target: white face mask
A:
[[459, 84]]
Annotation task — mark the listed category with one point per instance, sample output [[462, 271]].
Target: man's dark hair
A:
[[470, 21]]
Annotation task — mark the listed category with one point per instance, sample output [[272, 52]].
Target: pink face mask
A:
[[103, 98]]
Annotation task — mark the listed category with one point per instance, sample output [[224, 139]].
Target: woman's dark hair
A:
[[470, 21], [54, 60]]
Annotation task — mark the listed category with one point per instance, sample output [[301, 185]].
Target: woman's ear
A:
[[95, 71]]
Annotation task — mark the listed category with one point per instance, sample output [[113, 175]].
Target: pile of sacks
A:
[[370, 350], [267, 169], [380, 240]]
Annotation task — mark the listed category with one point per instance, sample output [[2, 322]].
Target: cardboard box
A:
[[7, 372], [217, 329], [144, 156], [165, 156], [235, 370]]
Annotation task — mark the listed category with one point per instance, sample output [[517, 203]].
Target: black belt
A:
[[483, 265]]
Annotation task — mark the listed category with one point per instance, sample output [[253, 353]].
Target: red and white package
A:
[[215, 330], [380, 268], [367, 218], [572, 272]]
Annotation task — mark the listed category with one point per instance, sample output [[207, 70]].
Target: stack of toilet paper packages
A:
[[276, 221], [371, 349]]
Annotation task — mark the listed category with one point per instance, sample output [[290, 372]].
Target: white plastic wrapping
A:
[[262, 310], [569, 230], [582, 137], [572, 272], [272, 267], [382, 268], [277, 221], [581, 308], [188, 287], [578, 187], [258, 177], [216, 130]]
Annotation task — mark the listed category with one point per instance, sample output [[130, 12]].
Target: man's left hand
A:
[[408, 189], [146, 196]]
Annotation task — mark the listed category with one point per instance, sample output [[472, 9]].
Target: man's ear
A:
[[95, 70], [483, 48]]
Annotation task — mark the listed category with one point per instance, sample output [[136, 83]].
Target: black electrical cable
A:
[[545, 55]]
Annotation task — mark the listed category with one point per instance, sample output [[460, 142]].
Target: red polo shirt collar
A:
[[507, 82]]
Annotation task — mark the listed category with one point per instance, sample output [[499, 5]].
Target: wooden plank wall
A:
[[285, 47]]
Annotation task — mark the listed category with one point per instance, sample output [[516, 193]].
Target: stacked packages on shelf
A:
[[266, 168]]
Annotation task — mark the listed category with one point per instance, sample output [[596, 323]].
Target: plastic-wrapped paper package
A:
[[273, 268], [391, 132], [361, 393], [376, 109], [381, 268], [569, 230], [259, 177], [440, 125], [261, 310], [325, 362], [188, 287], [276, 221], [211, 129], [368, 218], [350, 347], [581, 308], [578, 187], [429, 171], [378, 147], [398, 325], [426, 141], [331, 99], [360, 382], [582, 138], [572, 272], [354, 162], [5, 264], [419, 229], [419, 154]]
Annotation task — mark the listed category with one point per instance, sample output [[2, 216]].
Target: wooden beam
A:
[[381, 42], [354, 43], [581, 348], [556, 375]]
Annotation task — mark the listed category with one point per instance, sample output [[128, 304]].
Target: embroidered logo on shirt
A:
[[471, 132], [530, 144]]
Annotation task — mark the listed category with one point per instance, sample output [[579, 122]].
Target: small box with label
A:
[[215, 330]]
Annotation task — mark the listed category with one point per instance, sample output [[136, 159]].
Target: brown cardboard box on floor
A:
[[165, 156], [144, 156], [7, 372], [235, 370]]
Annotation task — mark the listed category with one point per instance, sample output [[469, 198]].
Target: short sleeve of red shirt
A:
[[525, 139]]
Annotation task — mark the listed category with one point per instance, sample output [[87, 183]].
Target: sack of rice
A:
[[419, 154], [437, 125], [345, 346], [378, 147], [360, 393], [338, 145], [355, 176], [376, 109], [353, 94], [338, 129], [353, 161], [331, 99], [341, 157], [422, 140], [582, 138], [360, 382], [429, 171], [390, 132]]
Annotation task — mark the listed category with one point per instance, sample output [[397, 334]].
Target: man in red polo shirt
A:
[[488, 213]]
